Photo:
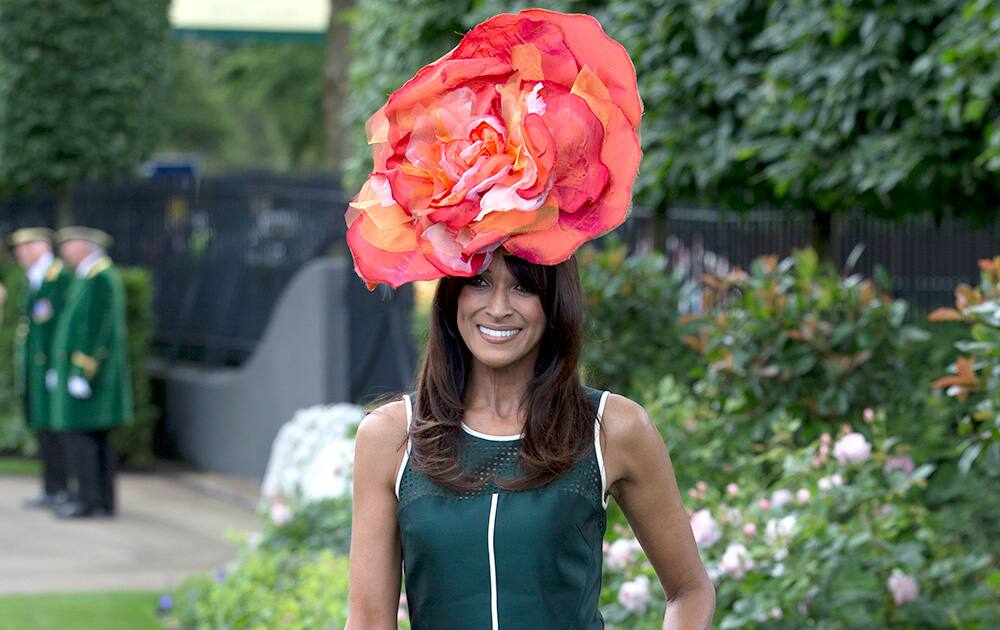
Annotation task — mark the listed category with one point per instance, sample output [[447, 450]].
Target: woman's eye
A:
[[478, 281], [523, 289]]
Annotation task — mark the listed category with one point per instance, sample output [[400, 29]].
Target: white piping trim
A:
[[487, 436], [493, 564], [597, 447], [406, 453]]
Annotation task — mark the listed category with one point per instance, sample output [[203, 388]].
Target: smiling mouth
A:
[[494, 333]]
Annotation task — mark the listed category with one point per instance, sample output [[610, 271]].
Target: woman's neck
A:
[[497, 392]]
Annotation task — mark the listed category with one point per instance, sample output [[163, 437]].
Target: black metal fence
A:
[[221, 251], [925, 260]]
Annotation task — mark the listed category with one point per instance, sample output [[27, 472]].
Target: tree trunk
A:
[[335, 85], [822, 234], [661, 218], [64, 205]]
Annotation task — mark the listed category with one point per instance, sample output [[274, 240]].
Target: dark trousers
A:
[[53, 458], [92, 463]]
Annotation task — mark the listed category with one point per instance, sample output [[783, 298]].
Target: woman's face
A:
[[500, 321]]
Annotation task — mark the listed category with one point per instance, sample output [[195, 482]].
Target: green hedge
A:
[[134, 442]]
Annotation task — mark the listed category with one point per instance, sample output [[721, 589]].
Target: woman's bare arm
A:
[[376, 556], [646, 490]]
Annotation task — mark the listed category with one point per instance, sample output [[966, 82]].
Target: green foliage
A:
[[133, 442], [824, 105], [696, 63], [800, 339], [324, 524], [272, 589], [632, 303], [80, 88], [247, 105], [975, 379], [854, 525], [14, 433], [961, 66]]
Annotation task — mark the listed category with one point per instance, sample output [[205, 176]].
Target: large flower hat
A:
[[525, 136]]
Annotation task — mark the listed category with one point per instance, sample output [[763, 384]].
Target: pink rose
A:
[[853, 448], [706, 531], [280, 514], [900, 462], [736, 561], [780, 498], [904, 587], [634, 595]]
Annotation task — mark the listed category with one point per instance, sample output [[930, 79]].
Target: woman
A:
[[487, 485], [502, 351]]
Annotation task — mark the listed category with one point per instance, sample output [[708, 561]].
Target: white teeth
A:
[[498, 333]]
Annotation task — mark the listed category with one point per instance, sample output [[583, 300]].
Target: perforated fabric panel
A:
[[492, 459]]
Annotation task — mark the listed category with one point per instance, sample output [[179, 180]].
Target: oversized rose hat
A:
[[525, 136]]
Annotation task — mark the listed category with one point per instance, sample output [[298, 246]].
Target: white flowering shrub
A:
[[312, 457]]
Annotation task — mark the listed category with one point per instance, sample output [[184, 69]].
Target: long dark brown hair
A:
[[558, 428]]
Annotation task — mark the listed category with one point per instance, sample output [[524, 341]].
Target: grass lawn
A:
[[80, 611], [19, 466]]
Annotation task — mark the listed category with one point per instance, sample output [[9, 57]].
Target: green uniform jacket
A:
[[90, 342], [39, 311]]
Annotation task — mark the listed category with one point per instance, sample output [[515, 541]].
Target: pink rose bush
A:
[[793, 548]]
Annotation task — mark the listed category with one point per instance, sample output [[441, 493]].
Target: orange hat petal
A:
[[524, 136]]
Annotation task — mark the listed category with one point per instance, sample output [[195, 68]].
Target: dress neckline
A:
[[487, 436]]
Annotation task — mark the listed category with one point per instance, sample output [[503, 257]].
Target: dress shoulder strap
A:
[[597, 447], [407, 400]]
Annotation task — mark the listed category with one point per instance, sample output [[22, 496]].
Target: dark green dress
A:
[[493, 559]]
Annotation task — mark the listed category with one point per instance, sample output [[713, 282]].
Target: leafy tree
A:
[[246, 104], [823, 106], [80, 89]]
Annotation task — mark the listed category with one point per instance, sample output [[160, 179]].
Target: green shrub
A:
[[975, 379], [794, 336], [134, 442], [324, 524], [14, 434], [634, 333], [266, 589], [812, 535]]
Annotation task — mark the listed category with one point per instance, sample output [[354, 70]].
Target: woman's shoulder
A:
[[383, 430], [625, 420]]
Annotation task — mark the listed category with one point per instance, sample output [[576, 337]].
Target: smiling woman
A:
[[489, 482]]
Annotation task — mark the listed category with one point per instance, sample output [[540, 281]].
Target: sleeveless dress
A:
[[493, 559]]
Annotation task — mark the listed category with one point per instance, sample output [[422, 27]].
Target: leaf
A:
[[944, 314], [969, 457]]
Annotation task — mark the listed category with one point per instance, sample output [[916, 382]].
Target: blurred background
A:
[[806, 296]]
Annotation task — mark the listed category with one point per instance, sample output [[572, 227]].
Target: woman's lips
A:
[[497, 335]]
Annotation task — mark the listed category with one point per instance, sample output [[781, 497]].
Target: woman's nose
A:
[[499, 305]]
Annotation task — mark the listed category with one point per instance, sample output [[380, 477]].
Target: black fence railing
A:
[[222, 250], [925, 259]]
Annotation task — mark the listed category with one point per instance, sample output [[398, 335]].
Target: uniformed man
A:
[[39, 306], [92, 391]]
